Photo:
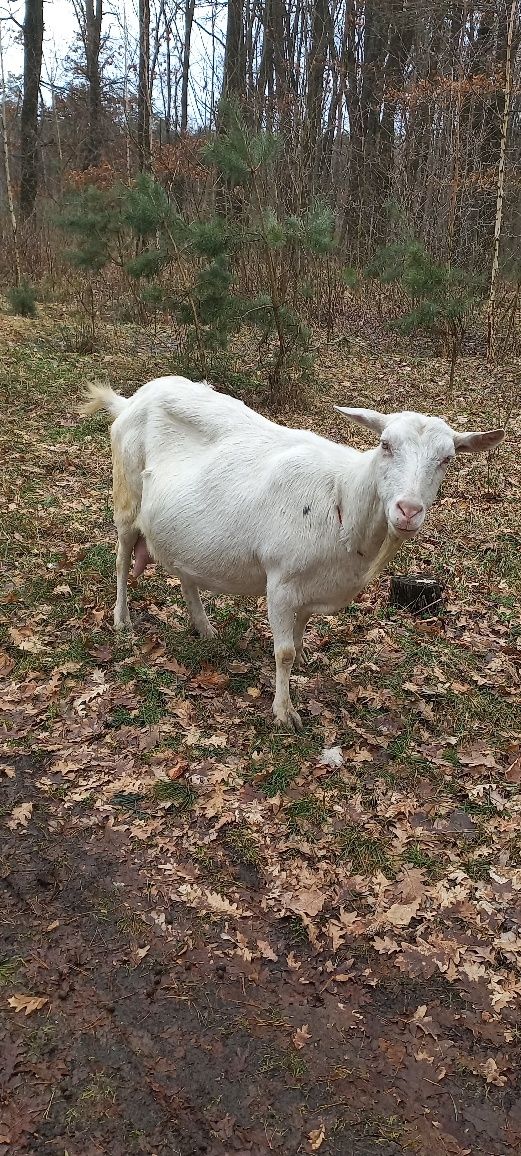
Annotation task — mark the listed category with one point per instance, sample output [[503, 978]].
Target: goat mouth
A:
[[404, 531]]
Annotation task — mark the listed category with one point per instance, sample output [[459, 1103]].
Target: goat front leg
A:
[[281, 614], [126, 542], [196, 609]]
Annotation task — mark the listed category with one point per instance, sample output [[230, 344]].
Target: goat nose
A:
[[410, 509]]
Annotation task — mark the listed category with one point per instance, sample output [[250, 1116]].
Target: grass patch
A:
[[101, 559], [367, 853], [9, 968], [308, 809], [417, 857], [291, 1062], [181, 796], [242, 844]]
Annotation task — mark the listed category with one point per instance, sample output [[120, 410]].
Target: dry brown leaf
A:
[[20, 816], [210, 679], [177, 769], [385, 945], [27, 1003], [316, 1138], [301, 1037], [6, 663], [266, 951], [8, 769], [24, 640], [490, 1070], [222, 906], [399, 914], [308, 902]]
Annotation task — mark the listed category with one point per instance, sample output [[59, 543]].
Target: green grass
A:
[[309, 810], [366, 853], [101, 559], [9, 968], [242, 844], [181, 796], [417, 857], [290, 1061]]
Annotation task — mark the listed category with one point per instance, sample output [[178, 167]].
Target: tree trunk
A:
[[143, 96], [189, 19], [234, 72], [33, 41], [93, 18], [491, 310], [7, 168], [316, 69]]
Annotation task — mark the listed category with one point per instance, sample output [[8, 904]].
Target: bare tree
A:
[[234, 71], [93, 18], [189, 19], [33, 45], [7, 167], [501, 180], [143, 97]]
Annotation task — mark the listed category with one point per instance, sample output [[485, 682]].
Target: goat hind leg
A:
[[126, 542], [196, 609], [301, 620]]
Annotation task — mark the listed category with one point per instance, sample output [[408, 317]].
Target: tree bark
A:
[[7, 168], [189, 19], [93, 18], [143, 97], [33, 42], [234, 72], [491, 310]]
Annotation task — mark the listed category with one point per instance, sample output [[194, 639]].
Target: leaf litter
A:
[[342, 903]]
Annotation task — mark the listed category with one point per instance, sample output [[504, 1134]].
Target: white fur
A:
[[233, 503]]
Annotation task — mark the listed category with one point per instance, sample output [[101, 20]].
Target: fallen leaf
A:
[[266, 951], [24, 640], [316, 1138], [209, 679], [399, 914], [8, 769], [27, 1003], [301, 1037], [177, 769], [490, 1070], [20, 816], [6, 664], [307, 902]]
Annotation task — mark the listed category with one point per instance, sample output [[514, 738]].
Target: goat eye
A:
[[445, 461], [387, 448]]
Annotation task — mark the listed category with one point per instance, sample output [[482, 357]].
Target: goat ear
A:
[[368, 417], [476, 443]]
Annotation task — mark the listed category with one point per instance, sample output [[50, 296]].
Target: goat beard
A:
[[390, 546]]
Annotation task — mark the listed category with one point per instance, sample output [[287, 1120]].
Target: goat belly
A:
[[198, 540]]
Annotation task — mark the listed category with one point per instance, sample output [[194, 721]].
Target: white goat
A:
[[233, 503]]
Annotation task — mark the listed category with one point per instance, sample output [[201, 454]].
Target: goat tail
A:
[[102, 397]]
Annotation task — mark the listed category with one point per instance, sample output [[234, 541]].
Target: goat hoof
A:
[[123, 623], [208, 631], [288, 717]]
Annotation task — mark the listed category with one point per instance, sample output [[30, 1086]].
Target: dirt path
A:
[[187, 1050]]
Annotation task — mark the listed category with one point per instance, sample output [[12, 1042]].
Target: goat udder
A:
[[142, 557]]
